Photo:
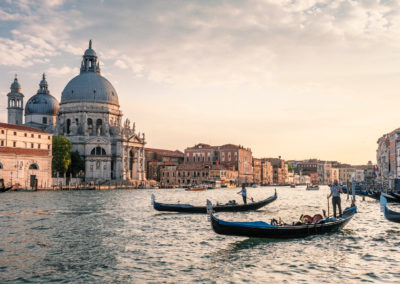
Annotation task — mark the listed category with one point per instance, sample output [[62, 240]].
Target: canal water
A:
[[117, 237]]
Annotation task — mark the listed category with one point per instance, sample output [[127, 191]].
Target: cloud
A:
[[64, 71]]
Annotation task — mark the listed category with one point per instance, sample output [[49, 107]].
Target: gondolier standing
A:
[[244, 193], [336, 189]]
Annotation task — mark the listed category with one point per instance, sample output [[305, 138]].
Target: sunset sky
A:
[[297, 79]]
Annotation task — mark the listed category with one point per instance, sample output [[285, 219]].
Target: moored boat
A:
[[229, 207], [196, 188], [4, 189], [390, 198], [312, 187], [261, 229], [390, 215], [292, 186]]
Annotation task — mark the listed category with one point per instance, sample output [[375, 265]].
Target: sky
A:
[[296, 79]]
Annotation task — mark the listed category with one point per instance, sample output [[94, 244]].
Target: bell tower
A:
[[15, 107]]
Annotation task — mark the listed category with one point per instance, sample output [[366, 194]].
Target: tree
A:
[[77, 164], [61, 154], [290, 168]]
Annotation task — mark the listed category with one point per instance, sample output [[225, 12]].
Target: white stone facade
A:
[[90, 117]]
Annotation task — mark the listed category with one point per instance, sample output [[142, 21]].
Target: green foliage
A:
[[77, 164], [61, 154], [290, 168]]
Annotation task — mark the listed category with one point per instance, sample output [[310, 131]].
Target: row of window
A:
[[195, 174], [2, 143], [31, 167], [26, 134]]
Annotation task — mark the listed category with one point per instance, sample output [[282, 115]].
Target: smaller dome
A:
[[42, 104], [15, 86], [90, 51]]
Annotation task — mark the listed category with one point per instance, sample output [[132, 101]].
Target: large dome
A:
[[89, 87], [42, 102]]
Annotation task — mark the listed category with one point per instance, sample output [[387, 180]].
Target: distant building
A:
[[257, 171], [25, 156], [267, 172], [232, 157], [280, 170], [156, 158]]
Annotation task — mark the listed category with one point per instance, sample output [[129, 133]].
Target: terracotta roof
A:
[[20, 127], [163, 152], [201, 146], [25, 151]]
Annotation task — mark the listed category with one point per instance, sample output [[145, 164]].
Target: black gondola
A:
[[389, 214], [262, 229], [390, 198], [4, 189], [396, 194], [187, 208]]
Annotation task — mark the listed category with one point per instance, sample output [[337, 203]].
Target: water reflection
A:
[[116, 236]]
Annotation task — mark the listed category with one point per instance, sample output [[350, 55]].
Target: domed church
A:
[[89, 116], [91, 119]]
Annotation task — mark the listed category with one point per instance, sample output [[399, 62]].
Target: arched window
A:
[[90, 126], [1, 166], [68, 125], [33, 167], [98, 151], [44, 120], [99, 126]]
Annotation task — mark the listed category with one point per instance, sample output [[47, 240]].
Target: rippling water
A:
[[116, 236]]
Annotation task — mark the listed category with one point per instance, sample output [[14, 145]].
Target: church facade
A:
[[89, 116]]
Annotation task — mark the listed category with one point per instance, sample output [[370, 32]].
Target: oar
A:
[[328, 206]]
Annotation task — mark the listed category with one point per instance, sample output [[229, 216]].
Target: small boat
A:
[[196, 188], [230, 207], [4, 189], [87, 188], [292, 186], [254, 185], [390, 215], [312, 187], [261, 229]]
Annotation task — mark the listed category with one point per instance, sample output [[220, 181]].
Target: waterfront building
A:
[[307, 168], [267, 172], [89, 116], [172, 175], [257, 170], [280, 170], [156, 158], [385, 171], [25, 156], [232, 157]]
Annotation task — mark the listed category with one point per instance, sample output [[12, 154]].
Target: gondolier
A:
[[336, 189], [244, 194]]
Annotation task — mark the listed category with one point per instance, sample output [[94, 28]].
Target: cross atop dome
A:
[[89, 61]]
